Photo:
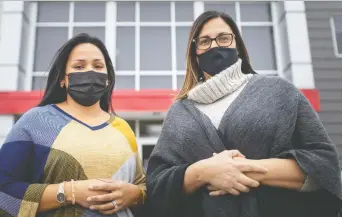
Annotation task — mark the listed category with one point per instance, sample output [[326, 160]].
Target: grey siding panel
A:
[[329, 85], [333, 96], [327, 63], [327, 67], [325, 6], [331, 117], [323, 52], [328, 74]]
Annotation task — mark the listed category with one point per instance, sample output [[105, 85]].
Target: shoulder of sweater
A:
[[21, 130], [35, 116], [176, 106], [34, 112], [277, 83]]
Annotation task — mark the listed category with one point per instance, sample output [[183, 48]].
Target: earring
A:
[[62, 84], [107, 83]]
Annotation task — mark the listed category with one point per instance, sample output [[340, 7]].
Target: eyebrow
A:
[[83, 60], [221, 33]]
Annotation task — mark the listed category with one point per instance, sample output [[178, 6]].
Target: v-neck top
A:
[[97, 127], [49, 146]]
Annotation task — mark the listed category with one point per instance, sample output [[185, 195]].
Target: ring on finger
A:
[[114, 204]]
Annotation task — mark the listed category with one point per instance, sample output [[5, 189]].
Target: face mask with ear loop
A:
[[216, 59], [87, 88]]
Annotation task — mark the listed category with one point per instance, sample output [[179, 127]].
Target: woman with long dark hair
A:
[[238, 144], [71, 155]]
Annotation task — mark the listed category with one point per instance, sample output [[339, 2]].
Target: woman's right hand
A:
[[223, 173], [82, 191]]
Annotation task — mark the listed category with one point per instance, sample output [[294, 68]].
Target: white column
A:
[[10, 38], [296, 54], [198, 9]]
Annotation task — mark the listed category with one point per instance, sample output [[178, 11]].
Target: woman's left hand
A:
[[122, 196], [217, 192]]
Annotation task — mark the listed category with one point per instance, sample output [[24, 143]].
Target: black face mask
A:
[[217, 59], [86, 88]]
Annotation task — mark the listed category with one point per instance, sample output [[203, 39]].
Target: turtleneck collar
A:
[[220, 85]]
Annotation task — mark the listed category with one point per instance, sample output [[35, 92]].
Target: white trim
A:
[[137, 128], [39, 74], [198, 8], [173, 45], [110, 31], [31, 46], [295, 6], [121, 72], [71, 18], [238, 16], [161, 73], [258, 24], [13, 7], [334, 39], [157, 24], [277, 40], [146, 141], [137, 46], [299, 45], [71, 24], [156, 73]]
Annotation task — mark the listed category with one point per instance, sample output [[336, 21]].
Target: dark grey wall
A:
[[327, 67]]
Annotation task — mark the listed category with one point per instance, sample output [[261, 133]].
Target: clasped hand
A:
[[105, 195], [225, 173]]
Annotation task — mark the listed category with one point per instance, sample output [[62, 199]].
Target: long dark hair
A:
[[54, 93], [192, 68]]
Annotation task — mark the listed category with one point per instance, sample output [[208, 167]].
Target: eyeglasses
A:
[[222, 40]]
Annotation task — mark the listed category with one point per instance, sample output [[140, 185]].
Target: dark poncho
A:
[[269, 119]]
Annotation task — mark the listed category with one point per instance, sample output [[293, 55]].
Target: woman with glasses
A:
[[238, 144]]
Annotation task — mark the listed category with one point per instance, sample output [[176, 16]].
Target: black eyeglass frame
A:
[[213, 39]]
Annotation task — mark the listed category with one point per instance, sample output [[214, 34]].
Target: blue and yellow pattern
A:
[[48, 146]]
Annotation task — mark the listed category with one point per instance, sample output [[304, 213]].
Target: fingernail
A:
[[91, 208], [89, 199], [91, 187]]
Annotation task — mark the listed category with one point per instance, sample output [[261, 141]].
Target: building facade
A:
[[147, 43], [325, 33]]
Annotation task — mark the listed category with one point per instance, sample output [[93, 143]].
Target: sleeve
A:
[[166, 171], [140, 178], [19, 196], [165, 188], [309, 185], [314, 151]]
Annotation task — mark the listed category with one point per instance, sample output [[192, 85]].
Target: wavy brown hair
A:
[[192, 68]]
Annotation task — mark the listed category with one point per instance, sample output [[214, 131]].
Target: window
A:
[[147, 150], [336, 28], [151, 40], [56, 23], [255, 22], [147, 39]]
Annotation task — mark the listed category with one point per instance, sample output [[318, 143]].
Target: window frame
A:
[[334, 37], [111, 25]]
